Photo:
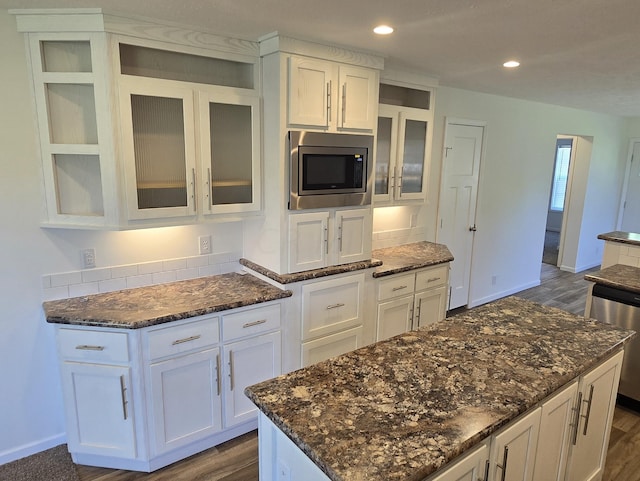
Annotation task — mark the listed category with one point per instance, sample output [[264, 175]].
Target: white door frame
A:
[[567, 193], [472, 123], [625, 183]]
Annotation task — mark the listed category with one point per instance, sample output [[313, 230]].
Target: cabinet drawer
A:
[[250, 322], [172, 339], [395, 286], [436, 276], [93, 346], [331, 306], [331, 346]]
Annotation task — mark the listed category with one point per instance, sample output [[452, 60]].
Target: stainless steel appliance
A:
[[329, 170], [622, 308]]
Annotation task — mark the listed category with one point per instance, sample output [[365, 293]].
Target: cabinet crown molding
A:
[[274, 42], [49, 20]]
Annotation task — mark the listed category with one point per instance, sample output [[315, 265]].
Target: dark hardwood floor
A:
[[237, 460]]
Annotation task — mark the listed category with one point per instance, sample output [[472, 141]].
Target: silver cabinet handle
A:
[[340, 236], [416, 323], [86, 347], [123, 393], [399, 288], [186, 339], [231, 373], [503, 466], [433, 279], [209, 189], [218, 374], [329, 102], [193, 183], [254, 323], [344, 104], [576, 420], [586, 416], [486, 471], [334, 306], [326, 240]]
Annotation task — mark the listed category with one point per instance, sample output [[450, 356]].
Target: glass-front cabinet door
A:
[[74, 140], [159, 150], [230, 153], [402, 153]]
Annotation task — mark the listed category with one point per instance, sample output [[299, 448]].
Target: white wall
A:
[[515, 182], [31, 415]]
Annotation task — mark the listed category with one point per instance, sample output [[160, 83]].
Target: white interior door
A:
[[631, 207], [457, 210]]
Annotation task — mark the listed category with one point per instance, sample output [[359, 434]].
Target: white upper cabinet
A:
[[331, 96], [403, 148], [140, 132]]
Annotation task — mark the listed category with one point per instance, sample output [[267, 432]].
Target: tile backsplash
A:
[[108, 279]]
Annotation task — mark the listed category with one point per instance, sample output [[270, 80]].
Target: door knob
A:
[[472, 228]]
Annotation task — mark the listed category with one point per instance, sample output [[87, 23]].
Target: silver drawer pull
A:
[[186, 339], [85, 347], [254, 323], [333, 306], [433, 279], [399, 288]]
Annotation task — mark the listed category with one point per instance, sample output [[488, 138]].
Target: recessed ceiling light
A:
[[511, 64], [383, 30]]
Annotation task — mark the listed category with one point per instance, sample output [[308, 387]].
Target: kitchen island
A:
[[405, 408]]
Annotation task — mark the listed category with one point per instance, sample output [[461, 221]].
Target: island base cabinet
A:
[[554, 436], [595, 407], [513, 450], [472, 467], [280, 459]]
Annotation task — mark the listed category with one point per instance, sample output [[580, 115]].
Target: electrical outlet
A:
[[494, 280], [89, 258], [413, 220], [204, 244]]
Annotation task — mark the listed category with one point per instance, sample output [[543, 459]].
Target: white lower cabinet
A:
[[556, 421], [513, 450], [140, 399], [332, 317], [410, 300], [189, 382], [248, 362], [472, 467], [594, 411], [99, 414]]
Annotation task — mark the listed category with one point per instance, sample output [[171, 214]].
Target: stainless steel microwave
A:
[[329, 170]]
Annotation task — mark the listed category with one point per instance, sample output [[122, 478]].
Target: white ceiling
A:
[[577, 53]]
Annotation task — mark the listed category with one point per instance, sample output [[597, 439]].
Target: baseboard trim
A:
[[32, 448], [501, 294], [575, 270]]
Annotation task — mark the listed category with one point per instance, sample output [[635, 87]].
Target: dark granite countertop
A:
[[311, 274], [402, 408], [408, 257], [618, 276], [147, 306], [622, 237]]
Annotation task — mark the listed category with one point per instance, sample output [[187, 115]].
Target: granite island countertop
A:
[[148, 306], [408, 257], [622, 237], [618, 276], [402, 408]]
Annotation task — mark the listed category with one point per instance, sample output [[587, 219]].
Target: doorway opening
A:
[[558, 199]]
